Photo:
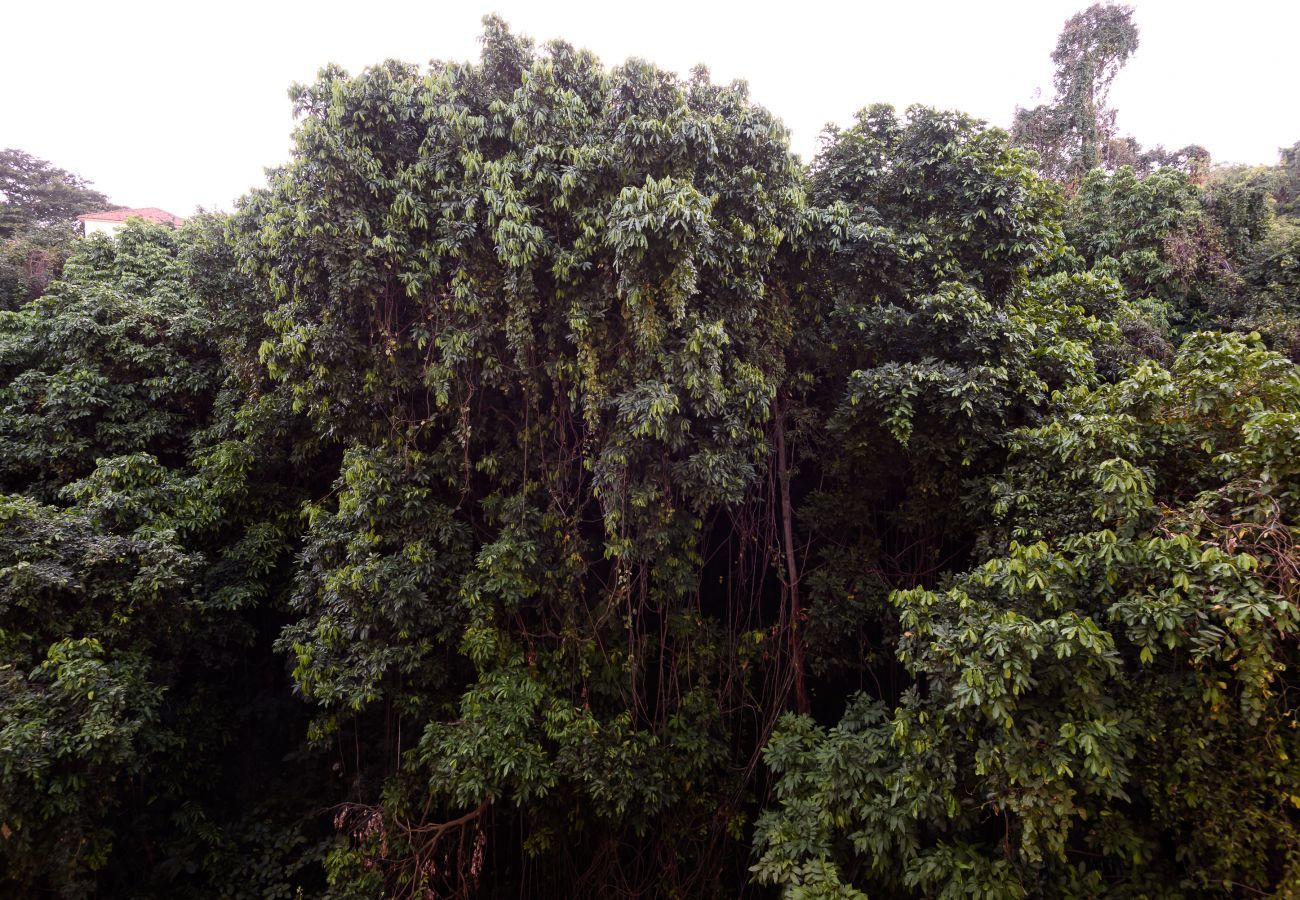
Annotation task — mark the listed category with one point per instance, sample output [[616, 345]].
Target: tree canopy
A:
[[36, 192], [546, 486]]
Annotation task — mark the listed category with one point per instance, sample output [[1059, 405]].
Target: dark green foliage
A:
[[1076, 694], [1163, 242], [30, 261], [82, 687], [115, 359], [933, 339], [533, 304], [962, 205], [1238, 201], [545, 487], [1196, 256], [132, 559]]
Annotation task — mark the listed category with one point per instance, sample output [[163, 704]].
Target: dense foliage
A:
[[1075, 695], [546, 486]]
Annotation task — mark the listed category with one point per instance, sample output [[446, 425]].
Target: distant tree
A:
[[35, 192], [1157, 235], [1237, 199], [1192, 160], [1074, 132], [38, 206], [1271, 272], [1287, 193]]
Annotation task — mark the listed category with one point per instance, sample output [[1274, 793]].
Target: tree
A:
[[534, 310], [1073, 133], [114, 359], [1287, 192], [915, 360], [1157, 235], [1076, 694], [35, 192], [1197, 255], [141, 529], [32, 260], [38, 205]]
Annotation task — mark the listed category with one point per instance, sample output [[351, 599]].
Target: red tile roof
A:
[[149, 213]]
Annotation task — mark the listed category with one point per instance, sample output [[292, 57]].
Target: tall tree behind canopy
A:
[[1073, 132], [1287, 193]]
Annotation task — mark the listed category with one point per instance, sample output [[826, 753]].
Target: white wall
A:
[[109, 228]]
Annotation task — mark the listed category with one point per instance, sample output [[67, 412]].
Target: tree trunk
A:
[[792, 567]]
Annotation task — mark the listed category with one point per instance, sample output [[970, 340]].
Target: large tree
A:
[[1073, 133], [1287, 192], [535, 308], [36, 192]]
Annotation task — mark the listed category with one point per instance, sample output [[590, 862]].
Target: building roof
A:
[[149, 213]]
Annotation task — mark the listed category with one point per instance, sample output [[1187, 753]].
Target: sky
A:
[[180, 105]]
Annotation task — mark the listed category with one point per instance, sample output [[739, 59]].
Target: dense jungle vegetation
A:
[[547, 486]]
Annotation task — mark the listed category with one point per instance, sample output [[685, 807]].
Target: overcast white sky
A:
[[177, 104]]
